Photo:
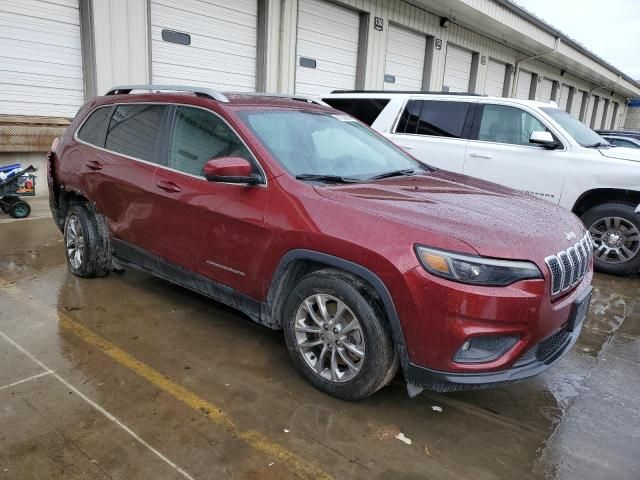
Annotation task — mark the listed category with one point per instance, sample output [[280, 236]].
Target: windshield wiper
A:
[[326, 178], [598, 145], [394, 173]]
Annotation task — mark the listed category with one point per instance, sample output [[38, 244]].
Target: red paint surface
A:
[[249, 229]]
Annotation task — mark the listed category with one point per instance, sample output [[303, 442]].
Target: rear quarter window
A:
[[364, 109], [95, 126], [434, 118]]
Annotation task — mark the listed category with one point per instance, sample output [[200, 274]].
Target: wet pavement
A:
[[130, 377]]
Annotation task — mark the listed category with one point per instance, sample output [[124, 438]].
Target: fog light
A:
[[484, 349]]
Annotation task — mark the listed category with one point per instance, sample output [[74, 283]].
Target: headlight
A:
[[475, 270]]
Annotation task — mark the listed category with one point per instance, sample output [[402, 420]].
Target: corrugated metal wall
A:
[[120, 33]]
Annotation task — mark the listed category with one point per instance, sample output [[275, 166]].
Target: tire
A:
[[7, 201], [20, 209], [372, 337], [91, 237], [615, 228]]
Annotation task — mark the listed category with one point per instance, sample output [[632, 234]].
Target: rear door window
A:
[[435, 118], [199, 136], [133, 130], [364, 109], [95, 126]]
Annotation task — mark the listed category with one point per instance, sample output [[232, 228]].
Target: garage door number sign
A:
[[378, 23]]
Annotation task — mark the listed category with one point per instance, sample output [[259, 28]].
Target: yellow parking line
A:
[[255, 439]]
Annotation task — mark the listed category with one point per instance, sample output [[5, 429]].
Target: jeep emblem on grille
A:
[[570, 235]]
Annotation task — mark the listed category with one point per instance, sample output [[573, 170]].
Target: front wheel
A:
[[337, 335], [20, 209], [615, 229]]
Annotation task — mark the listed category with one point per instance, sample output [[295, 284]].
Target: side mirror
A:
[[544, 139], [230, 170]]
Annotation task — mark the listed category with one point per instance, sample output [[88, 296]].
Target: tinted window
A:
[[410, 115], [442, 119], [510, 125], [133, 130], [94, 127], [199, 136], [364, 109]]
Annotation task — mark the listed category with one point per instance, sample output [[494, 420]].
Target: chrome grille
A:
[[569, 266]]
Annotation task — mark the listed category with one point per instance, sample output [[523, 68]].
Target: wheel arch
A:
[[598, 196], [300, 262], [66, 199]]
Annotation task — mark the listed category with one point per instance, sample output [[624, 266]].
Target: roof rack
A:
[[199, 91], [466, 94], [299, 98]]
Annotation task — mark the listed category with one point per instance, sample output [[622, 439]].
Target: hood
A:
[[494, 220], [621, 153]]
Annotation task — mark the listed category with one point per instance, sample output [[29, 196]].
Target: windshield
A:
[[321, 144], [578, 130]]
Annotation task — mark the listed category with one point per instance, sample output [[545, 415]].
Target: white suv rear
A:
[[530, 146]]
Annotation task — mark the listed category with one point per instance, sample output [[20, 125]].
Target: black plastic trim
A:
[[348, 266], [140, 259]]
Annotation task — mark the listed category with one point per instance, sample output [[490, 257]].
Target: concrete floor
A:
[[129, 377]]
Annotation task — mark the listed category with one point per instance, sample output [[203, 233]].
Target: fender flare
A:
[[348, 266]]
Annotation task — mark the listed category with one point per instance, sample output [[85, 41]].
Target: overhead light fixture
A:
[[444, 22], [562, 72]]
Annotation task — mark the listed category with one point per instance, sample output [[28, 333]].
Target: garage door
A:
[[524, 85], [564, 97], [404, 61], [544, 89], [496, 72], [40, 58], [598, 116], [197, 42], [327, 51], [457, 69], [576, 104]]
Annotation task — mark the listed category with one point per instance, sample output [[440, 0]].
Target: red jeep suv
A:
[[308, 221]]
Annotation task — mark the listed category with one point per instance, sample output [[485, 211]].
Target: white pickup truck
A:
[[530, 146]]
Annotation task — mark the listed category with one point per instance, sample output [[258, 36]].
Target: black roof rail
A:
[[466, 94], [199, 91]]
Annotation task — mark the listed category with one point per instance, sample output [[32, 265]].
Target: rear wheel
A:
[[7, 201], [87, 244], [615, 229], [337, 336], [19, 209]]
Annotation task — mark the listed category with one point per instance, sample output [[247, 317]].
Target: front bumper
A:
[[533, 362]]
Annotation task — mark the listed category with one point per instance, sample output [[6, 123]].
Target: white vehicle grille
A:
[[568, 267]]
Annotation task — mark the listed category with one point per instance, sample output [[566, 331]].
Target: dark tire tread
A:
[[97, 256], [380, 364], [619, 209]]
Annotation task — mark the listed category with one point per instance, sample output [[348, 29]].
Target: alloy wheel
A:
[[616, 239], [330, 338], [74, 240]]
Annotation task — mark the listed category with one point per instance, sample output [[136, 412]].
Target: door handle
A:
[[406, 147], [168, 186], [480, 155], [94, 165]]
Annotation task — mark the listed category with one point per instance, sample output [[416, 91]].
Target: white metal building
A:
[[54, 54]]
